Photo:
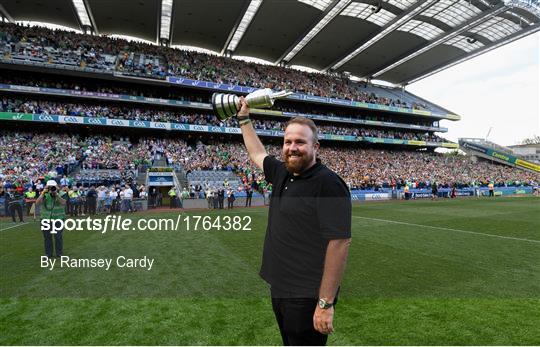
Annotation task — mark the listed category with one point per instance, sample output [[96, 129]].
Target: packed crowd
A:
[[31, 157], [22, 78], [98, 86], [370, 168], [149, 113], [26, 155], [101, 52], [386, 169], [103, 153]]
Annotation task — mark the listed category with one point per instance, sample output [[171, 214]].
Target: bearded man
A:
[[308, 233]]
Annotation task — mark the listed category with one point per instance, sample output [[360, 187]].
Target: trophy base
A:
[[224, 105]]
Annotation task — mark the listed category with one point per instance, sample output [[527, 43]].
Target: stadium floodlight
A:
[[244, 24], [516, 36], [338, 7], [376, 15], [404, 18], [82, 12], [445, 37], [465, 43], [166, 13]]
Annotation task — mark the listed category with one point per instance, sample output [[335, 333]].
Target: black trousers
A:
[[18, 209], [295, 320], [91, 203], [58, 243]]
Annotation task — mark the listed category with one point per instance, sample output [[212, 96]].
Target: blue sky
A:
[[499, 89]]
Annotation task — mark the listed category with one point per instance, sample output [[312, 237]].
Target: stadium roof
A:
[[399, 41]]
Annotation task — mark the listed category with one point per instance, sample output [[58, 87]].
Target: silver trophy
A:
[[227, 105]]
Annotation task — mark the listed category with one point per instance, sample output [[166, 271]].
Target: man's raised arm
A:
[[255, 148]]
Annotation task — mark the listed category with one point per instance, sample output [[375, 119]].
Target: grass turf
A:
[[456, 272]]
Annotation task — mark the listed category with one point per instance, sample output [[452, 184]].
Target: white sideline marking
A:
[[14, 226], [450, 229]]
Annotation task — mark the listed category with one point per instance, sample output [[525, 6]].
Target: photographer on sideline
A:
[[54, 203]]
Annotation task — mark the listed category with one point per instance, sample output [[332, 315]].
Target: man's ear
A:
[[317, 145]]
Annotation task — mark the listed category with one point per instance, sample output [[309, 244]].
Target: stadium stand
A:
[[18, 80], [57, 47], [20, 105], [21, 153], [491, 151], [372, 149]]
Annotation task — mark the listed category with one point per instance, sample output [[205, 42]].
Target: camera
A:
[[52, 190]]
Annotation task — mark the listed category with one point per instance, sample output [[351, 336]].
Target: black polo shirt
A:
[[306, 211]]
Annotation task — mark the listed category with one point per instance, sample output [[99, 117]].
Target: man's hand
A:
[[322, 320], [244, 109]]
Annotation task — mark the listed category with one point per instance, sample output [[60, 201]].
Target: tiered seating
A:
[[97, 52], [214, 179], [106, 177]]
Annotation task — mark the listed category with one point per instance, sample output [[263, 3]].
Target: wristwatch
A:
[[325, 304]]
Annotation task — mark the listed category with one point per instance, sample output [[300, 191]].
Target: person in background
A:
[[91, 200], [115, 202], [406, 192], [221, 198], [230, 198], [15, 202], [210, 197], [128, 197], [434, 191], [108, 202], [53, 204], [172, 197], [249, 195], [29, 199]]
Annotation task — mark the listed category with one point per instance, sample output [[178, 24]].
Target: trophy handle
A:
[[281, 94]]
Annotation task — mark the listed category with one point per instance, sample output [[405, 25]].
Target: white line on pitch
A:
[[14, 226], [449, 229]]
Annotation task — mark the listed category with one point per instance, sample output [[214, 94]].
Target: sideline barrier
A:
[[387, 194], [483, 191]]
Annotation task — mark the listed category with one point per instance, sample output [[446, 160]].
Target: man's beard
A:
[[298, 164]]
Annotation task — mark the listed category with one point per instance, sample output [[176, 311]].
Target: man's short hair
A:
[[305, 121]]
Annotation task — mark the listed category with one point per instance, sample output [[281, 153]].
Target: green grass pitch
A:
[[446, 272]]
